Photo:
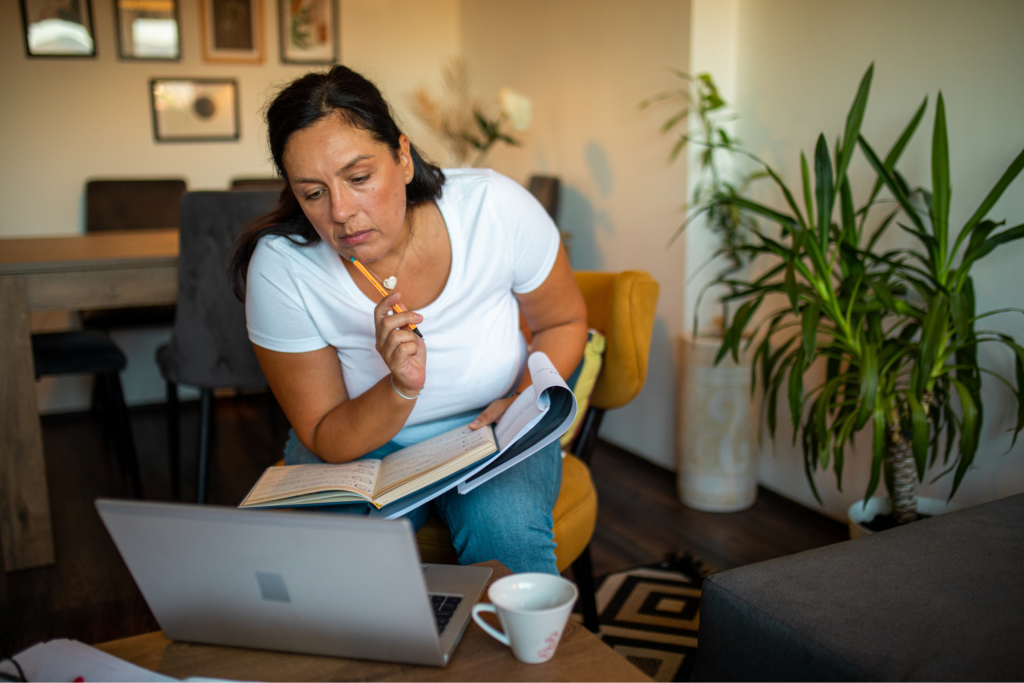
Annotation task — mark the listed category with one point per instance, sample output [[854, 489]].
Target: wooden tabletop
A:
[[97, 249], [581, 656]]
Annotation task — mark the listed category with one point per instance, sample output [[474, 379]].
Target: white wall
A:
[[586, 65], [798, 63], [63, 121]]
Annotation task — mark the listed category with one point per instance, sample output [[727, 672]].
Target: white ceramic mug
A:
[[533, 610]]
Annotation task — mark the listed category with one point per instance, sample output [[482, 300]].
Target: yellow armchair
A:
[[621, 306]]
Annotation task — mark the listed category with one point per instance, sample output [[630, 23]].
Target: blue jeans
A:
[[506, 519]]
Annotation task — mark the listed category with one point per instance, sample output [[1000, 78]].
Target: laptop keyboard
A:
[[444, 607]]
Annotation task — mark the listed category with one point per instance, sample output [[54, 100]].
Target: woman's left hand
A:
[[492, 412]]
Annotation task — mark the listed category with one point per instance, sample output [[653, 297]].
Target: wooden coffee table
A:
[[581, 656]]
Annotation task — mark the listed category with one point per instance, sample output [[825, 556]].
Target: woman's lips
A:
[[356, 238]]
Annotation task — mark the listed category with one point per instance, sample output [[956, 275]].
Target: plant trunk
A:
[[904, 477]]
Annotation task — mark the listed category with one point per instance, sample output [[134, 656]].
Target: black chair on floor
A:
[[131, 204], [93, 353], [209, 346]]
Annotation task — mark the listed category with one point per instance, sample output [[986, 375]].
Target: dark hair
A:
[[303, 102]]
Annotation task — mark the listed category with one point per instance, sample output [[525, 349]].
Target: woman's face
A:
[[351, 187]]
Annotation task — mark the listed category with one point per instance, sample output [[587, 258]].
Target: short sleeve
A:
[[532, 236], [275, 315]]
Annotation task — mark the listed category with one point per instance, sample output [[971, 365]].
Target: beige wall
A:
[[587, 64], [798, 63], [67, 120]]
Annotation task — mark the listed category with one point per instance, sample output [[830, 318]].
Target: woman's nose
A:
[[342, 205]]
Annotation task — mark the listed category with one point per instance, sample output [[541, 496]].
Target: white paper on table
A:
[[68, 660]]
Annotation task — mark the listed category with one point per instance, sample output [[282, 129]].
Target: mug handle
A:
[[491, 631]]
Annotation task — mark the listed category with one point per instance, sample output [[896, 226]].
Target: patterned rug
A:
[[649, 615]]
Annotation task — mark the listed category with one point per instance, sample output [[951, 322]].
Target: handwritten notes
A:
[[430, 454], [296, 480]]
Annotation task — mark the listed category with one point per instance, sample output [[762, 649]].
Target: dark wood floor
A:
[[90, 596]]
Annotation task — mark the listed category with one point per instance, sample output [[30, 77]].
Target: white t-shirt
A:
[[301, 299]]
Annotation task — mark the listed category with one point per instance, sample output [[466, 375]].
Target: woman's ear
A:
[[405, 157]]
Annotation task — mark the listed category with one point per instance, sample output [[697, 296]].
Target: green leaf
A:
[[969, 432], [961, 308], [823, 189], [789, 285], [1016, 166], [932, 333], [941, 190], [891, 180], [877, 449], [846, 212], [808, 201], [919, 431], [897, 149], [868, 384], [796, 391], [809, 324], [853, 121]]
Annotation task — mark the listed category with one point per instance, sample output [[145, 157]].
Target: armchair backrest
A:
[[621, 306]]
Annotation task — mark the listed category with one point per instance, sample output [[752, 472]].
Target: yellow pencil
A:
[[399, 308]]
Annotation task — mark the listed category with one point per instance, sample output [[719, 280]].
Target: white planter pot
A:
[[717, 463], [859, 513]]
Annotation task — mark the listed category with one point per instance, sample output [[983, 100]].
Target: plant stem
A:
[[904, 493]]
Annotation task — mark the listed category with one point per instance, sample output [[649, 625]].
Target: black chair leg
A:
[[205, 439], [583, 572], [174, 439], [124, 442]]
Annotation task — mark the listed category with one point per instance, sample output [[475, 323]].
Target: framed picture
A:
[[147, 29], [232, 31], [194, 109], [58, 28], [309, 31]]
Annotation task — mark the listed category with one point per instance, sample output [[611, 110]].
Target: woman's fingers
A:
[[492, 412]]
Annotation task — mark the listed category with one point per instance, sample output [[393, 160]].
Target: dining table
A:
[[110, 269]]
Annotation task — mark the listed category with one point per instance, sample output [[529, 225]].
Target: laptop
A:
[[320, 584]]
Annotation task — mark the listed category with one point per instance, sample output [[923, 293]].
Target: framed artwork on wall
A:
[[58, 28], [194, 109], [309, 31], [232, 31], [148, 29]]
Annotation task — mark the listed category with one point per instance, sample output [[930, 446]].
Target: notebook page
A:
[[430, 454], [294, 480]]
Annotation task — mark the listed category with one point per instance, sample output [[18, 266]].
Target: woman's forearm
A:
[[360, 425]]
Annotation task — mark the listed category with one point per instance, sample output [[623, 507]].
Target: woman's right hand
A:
[[402, 349]]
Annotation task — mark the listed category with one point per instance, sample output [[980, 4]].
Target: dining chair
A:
[[257, 184], [87, 352], [621, 307], [131, 204], [547, 190], [209, 347]]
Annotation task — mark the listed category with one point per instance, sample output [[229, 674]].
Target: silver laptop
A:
[[320, 584]]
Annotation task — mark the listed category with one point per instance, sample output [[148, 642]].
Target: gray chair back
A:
[[257, 184], [210, 345], [132, 204]]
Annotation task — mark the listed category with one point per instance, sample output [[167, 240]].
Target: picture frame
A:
[[194, 109], [58, 28], [232, 31], [148, 30], [309, 31]]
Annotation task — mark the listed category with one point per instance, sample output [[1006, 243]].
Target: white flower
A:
[[517, 107]]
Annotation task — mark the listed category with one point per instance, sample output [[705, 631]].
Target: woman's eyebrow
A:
[[343, 169]]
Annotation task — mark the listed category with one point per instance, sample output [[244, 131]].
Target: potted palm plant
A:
[[896, 330]]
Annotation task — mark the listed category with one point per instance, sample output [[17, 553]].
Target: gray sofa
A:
[[940, 599]]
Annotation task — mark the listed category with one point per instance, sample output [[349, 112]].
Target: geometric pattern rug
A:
[[650, 615]]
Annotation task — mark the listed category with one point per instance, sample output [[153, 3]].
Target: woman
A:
[[465, 250]]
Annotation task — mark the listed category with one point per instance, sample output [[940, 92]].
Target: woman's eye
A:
[[360, 180], [314, 195]]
